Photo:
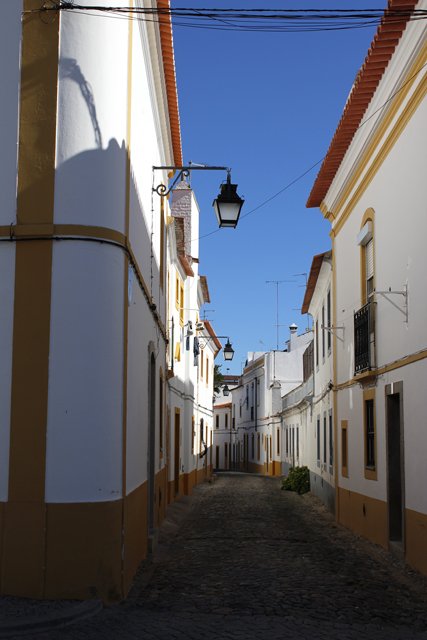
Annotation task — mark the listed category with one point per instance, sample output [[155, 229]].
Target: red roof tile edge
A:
[[205, 289], [166, 39], [367, 80], [316, 265]]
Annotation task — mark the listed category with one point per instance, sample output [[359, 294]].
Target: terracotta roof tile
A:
[[367, 80], [166, 40]]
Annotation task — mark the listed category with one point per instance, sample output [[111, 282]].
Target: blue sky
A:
[[266, 105]]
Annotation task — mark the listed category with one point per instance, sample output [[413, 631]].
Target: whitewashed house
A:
[[83, 318], [257, 401], [225, 444], [372, 189], [192, 349], [307, 412]]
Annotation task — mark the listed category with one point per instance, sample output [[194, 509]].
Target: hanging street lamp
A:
[[227, 205]]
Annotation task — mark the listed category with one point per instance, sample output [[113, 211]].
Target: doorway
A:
[[217, 457], [395, 466], [177, 433]]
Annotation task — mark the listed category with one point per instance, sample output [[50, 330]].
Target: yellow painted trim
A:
[[370, 474], [416, 540], [372, 524], [341, 213], [33, 263], [415, 357]]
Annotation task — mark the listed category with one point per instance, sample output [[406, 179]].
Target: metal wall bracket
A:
[[403, 293], [332, 329]]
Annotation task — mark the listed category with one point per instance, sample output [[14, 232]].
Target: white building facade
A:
[[307, 412], [257, 403], [83, 326], [375, 201]]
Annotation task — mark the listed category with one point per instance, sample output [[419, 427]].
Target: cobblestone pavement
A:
[[254, 562]]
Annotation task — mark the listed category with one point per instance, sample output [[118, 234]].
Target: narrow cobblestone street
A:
[[252, 561]]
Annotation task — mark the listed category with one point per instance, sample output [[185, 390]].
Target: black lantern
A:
[[228, 351], [228, 205], [225, 390]]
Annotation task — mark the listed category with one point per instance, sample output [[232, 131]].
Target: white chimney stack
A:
[[293, 341]]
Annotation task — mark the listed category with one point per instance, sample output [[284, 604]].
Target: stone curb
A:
[[57, 620]]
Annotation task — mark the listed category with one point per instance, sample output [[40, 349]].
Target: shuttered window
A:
[[369, 257]]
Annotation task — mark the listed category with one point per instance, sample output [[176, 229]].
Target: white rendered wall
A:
[[7, 296], [92, 121], [10, 77], [140, 324], [85, 416]]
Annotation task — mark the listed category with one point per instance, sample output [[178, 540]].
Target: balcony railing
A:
[[364, 338]]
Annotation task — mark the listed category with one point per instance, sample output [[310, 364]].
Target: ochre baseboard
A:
[[372, 524]]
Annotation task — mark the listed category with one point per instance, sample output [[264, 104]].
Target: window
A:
[[297, 442], [217, 421], [253, 446], [370, 445], [201, 364], [258, 393], [331, 442], [364, 318], [318, 441], [287, 446], [324, 438], [344, 448], [193, 434], [161, 413], [226, 420], [278, 441], [328, 313], [202, 435], [181, 305], [258, 447], [240, 408], [317, 343], [370, 434], [177, 290], [293, 441], [323, 332], [207, 371]]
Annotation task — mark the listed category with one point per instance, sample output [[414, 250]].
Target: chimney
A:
[[293, 341]]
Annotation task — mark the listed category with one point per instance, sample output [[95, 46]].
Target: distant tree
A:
[[218, 378]]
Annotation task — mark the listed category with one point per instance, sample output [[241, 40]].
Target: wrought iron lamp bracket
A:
[[184, 172]]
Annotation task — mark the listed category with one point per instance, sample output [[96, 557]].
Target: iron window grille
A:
[[363, 337], [370, 434]]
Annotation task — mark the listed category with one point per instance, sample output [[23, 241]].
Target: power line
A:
[[254, 20]]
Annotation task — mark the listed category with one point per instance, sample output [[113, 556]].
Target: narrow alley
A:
[[243, 559]]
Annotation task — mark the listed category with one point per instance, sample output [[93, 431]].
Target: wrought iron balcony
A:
[[364, 338]]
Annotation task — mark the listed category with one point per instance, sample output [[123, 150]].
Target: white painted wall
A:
[[90, 181], [84, 430]]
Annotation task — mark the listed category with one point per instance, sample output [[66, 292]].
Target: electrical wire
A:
[[251, 20]]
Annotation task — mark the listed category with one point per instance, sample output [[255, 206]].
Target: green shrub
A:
[[298, 480]]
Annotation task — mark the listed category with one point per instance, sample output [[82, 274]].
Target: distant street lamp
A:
[[228, 351], [227, 205]]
